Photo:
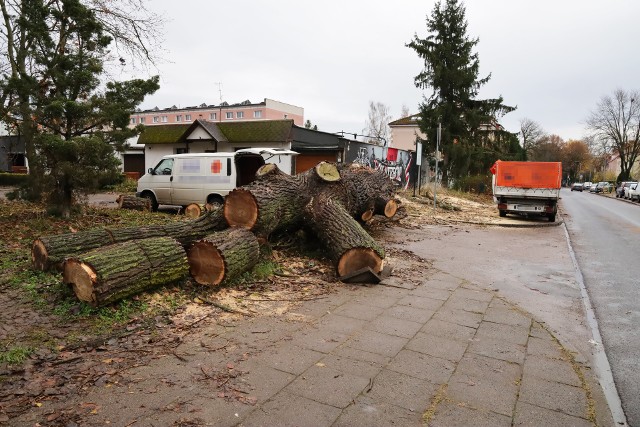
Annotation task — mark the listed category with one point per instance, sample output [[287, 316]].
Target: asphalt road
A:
[[605, 234]]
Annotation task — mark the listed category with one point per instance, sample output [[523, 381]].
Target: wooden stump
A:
[[108, 274], [132, 202], [223, 256], [193, 210], [349, 245]]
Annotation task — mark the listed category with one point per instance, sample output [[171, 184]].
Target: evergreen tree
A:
[[53, 95], [469, 139]]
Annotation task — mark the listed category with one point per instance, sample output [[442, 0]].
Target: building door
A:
[[305, 161]]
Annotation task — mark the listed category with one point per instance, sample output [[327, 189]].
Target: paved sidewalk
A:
[[439, 353]]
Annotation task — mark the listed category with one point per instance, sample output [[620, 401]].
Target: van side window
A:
[[165, 167]]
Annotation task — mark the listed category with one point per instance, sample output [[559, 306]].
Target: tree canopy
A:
[[471, 138], [54, 97]]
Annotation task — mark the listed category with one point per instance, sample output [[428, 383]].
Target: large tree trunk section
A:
[[110, 273], [49, 252], [386, 207], [274, 200], [369, 190], [223, 256], [193, 210], [132, 202], [349, 245]]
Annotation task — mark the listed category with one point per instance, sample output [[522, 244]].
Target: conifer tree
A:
[[469, 138]]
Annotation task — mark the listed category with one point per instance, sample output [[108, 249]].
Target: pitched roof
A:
[[162, 134], [210, 127], [257, 131], [405, 121]]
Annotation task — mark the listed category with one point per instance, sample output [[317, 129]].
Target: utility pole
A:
[[435, 178]]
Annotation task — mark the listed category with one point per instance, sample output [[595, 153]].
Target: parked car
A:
[[634, 192], [592, 188], [576, 186], [626, 189], [602, 187], [586, 186], [620, 188]]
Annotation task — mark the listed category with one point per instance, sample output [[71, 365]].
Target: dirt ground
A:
[[65, 354]]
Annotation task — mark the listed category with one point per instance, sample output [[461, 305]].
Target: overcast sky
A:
[[553, 59]]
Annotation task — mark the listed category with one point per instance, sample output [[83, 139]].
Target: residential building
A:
[[243, 111], [404, 133]]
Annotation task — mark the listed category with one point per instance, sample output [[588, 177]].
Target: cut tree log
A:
[[108, 274], [349, 245], [275, 200], [49, 252], [132, 202], [369, 190], [223, 256], [193, 210]]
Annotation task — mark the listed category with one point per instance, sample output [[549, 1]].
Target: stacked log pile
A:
[[107, 264]]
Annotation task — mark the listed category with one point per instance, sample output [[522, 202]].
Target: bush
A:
[[12, 179], [480, 184]]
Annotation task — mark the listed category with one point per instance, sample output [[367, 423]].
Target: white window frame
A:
[[156, 119], [213, 116], [164, 119], [240, 115], [179, 118], [187, 117], [141, 119], [257, 114], [133, 120], [229, 114]]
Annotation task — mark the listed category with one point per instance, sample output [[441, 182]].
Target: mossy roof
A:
[[162, 134], [257, 131], [410, 120]]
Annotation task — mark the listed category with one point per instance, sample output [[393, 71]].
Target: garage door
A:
[[134, 163], [307, 161]]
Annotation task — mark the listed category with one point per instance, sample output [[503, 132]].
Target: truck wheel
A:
[[154, 203], [215, 200], [503, 213], [552, 217]]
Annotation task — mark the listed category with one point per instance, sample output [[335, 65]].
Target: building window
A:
[[229, 115], [257, 114], [141, 119], [240, 115], [187, 117], [182, 150], [133, 120], [213, 116], [164, 119], [179, 118], [155, 119]]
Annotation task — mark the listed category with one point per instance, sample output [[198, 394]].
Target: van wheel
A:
[[552, 217], [215, 200], [152, 199]]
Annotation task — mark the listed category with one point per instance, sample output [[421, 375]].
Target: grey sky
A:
[[553, 59]]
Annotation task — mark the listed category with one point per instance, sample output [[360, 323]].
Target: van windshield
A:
[[165, 167]]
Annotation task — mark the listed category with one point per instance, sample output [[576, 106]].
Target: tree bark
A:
[[349, 245], [132, 202], [49, 252], [368, 190], [223, 256], [105, 275]]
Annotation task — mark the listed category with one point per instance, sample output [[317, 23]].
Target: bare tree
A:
[[405, 111], [615, 123], [530, 135], [377, 125]]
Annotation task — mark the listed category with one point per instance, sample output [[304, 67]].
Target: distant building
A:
[[224, 112], [404, 132]]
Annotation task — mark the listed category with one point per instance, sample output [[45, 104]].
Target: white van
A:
[[182, 179]]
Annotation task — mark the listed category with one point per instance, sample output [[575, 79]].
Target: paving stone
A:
[[371, 413], [216, 411], [442, 282], [328, 385], [538, 331], [448, 330], [485, 392], [380, 301], [364, 356], [476, 294], [262, 382], [555, 396], [444, 348], [423, 366], [459, 317], [322, 340], [507, 316], [434, 293], [529, 415], [358, 311], [268, 330], [498, 331], [499, 303], [449, 414], [288, 409], [497, 349], [551, 369], [313, 311], [360, 368], [397, 282], [289, 358], [499, 370], [421, 302], [466, 304], [402, 390], [544, 347], [342, 324], [409, 313], [375, 342], [394, 326]]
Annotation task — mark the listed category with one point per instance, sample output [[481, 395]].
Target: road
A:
[[605, 234]]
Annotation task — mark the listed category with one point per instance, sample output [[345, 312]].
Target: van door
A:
[[160, 181], [188, 181]]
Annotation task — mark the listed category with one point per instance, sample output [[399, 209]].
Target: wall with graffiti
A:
[[398, 164]]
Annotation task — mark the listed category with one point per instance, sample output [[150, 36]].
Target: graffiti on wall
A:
[[397, 164]]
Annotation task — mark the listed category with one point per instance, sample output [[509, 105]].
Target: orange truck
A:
[[527, 188]]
